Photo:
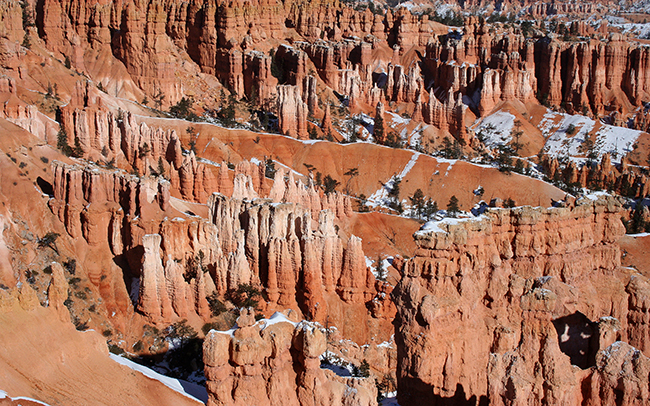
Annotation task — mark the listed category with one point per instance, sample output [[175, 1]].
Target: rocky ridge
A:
[[291, 250], [526, 287], [277, 361]]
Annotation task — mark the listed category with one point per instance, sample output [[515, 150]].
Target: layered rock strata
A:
[[276, 361], [502, 309], [292, 251], [300, 263]]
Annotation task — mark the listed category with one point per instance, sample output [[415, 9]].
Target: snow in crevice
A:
[[380, 197]]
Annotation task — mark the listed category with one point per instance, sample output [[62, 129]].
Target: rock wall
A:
[[25, 115], [288, 245], [276, 362], [156, 46], [299, 262], [497, 309]]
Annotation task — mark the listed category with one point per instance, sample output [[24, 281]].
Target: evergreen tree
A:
[[379, 269], [330, 184], [430, 209], [378, 131], [62, 142], [418, 203], [77, 151], [452, 207]]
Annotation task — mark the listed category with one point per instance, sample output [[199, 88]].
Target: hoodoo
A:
[[324, 203]]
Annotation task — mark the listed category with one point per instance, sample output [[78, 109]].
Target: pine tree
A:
[[77, 151], [452, 207], [62, 142], [378, 131], [418, 203]]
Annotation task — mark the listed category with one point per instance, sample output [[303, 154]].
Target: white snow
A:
[[496, 128], [380, 197], [190, 390], [407, 5], [416, 135], [390, 400], [334, 363], [369, 262], [441, 226], [396, 118], [638, 235], [596, 195], [432, 226], [617, 141], [3, 395], [409, 165], [276, 318], [561, 143], [640, 30], [207, 161]]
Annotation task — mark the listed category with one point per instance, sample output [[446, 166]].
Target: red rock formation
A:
[[449, 115], [287, 256], [185, 260], [276, 362], [292, 112], [25, 115], [514, 292], [622, 179]]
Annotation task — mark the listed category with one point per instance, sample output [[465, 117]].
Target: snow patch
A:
[[3, 395], [190, 390], [442, 226], [390, 400], [380, 197], [496, 129], [276, 318], [617, 141], [638, 235]]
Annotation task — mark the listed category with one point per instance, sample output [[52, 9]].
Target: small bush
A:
[[246, 295], [571, 129], [209, 326], [138, 346], [73, 282], [114, 349], [216, 306], [183, 109], [362, 371], [44, 160], [49, 240], [70, 266], [81, 326]]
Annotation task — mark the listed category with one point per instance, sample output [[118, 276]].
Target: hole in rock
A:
[[578, 338], [45, 186]]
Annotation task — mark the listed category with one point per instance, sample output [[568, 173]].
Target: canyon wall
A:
[[160, 50], [497, 309], [277, 361], [288, 245]]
